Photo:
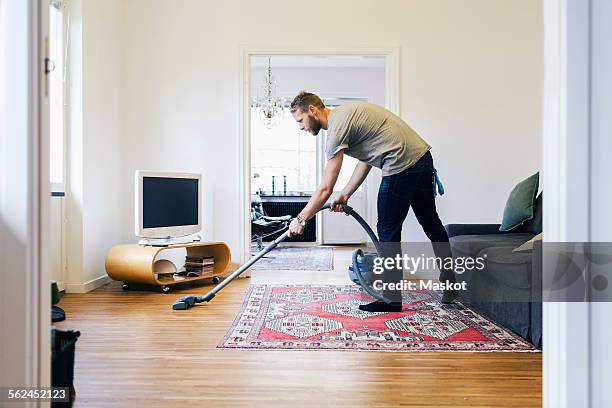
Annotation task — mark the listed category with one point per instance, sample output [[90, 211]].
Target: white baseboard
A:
[[87, 286]]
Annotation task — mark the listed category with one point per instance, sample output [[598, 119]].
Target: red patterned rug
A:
[[305, 317]]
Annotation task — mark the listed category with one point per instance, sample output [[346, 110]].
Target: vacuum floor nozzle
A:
[[184, 302]]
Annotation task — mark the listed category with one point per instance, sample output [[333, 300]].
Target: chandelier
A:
[[268, 106]]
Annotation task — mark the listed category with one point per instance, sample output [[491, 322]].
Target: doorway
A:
[[285, 165]]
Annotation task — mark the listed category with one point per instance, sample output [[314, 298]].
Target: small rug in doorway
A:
[[297, 258], [307, 317]]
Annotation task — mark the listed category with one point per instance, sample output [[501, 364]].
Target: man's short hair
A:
[[305, 99]]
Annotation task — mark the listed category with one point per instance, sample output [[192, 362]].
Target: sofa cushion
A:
[[471, 245], [454, 230], [509, 268], [521, 203]]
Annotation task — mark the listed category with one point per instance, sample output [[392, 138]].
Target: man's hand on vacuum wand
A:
[[336, 204], [296, 227], [359, 175]]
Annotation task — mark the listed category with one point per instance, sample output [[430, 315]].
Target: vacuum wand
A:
[[244, 267], [188, 301]]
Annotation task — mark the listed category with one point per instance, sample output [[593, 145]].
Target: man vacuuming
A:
[[375, 137]]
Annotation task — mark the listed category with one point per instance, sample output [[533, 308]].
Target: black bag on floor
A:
[[62, 363]]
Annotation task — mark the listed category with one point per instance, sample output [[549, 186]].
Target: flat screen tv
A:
[[167, 205]]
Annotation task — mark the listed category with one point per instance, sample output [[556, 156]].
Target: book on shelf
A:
[[195, 266], [199, 265], [191, 266], [194, 271], [187, 263], [199, 259]]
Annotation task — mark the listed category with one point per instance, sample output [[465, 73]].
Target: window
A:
[[56, 93], [285, 150], [282, 151]]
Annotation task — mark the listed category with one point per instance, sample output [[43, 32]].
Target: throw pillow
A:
[[521, 203]]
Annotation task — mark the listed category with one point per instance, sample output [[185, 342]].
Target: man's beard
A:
[[316, 128]]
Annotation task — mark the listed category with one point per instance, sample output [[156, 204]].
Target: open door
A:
[[286, 164]]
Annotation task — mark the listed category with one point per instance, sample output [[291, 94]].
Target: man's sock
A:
[[449, 296], [382, 307], [447, 276]]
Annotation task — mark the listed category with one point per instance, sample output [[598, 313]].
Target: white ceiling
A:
[[319, 61]]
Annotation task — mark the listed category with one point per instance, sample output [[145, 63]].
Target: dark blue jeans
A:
[[412, 188]]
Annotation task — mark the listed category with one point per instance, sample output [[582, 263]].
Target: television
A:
[[167, 205]]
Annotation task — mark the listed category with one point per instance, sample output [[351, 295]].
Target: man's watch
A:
[[300, 221]]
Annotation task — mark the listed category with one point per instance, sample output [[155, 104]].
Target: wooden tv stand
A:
[[135, 263]]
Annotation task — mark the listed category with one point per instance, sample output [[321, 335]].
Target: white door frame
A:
[[576, 32], [24, 196], [43, 187], [392, 100]]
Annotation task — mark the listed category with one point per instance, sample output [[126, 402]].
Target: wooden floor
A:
[[134, 351]]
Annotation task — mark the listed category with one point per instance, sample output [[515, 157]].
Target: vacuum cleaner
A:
[[360, 271]]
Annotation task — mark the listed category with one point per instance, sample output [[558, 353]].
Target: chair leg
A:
[[260, 247]]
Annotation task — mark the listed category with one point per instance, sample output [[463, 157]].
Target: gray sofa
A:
[[508, 289]]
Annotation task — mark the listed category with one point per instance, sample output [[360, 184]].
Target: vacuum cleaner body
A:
[[364, 266]]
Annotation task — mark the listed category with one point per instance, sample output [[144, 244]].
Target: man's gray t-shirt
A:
[[372, 134]]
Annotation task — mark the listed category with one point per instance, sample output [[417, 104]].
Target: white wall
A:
[[471, 79], [103, 149], [94, 201], [471, 82]]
